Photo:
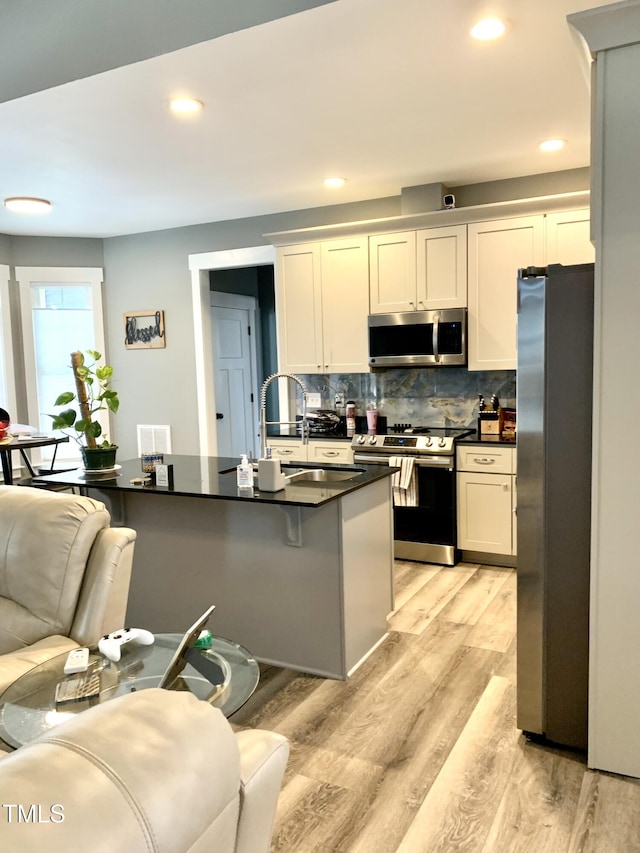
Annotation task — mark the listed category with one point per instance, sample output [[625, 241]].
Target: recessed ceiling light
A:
[[20, 204], [487, 29], [335, 182], [185, 106], [552, 144]]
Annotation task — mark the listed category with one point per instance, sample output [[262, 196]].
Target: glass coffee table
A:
[[28, 706]]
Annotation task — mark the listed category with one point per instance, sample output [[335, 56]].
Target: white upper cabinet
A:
[[299, 308], [345, 304], [442, 267], [392, 272], [568, 238], [326, 289], [417, 271], [322, 299], [497, 249]]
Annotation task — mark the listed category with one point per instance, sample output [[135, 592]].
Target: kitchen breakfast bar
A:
[[301, 577]]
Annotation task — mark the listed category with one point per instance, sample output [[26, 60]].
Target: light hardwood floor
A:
[[418, 751]]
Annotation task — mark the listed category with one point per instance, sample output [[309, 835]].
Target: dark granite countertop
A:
[[293, 434], [214, 477], [476, 438]]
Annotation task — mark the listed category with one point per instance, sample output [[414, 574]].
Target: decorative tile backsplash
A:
[[432, 396]]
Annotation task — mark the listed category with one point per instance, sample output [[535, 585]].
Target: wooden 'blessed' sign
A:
[[144, 330]]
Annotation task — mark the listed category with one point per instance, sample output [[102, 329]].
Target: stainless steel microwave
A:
[[418, 338]]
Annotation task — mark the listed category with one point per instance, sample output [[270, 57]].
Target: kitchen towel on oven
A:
[[403, 481]]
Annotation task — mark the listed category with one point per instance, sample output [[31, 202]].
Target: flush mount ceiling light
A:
[[20, 204], [185, 106], [552, 145], [334, 182], [488, 29]]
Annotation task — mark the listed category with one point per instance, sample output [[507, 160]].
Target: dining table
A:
[[23, 443]]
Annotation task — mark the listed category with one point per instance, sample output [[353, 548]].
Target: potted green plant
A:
[[93, 394]]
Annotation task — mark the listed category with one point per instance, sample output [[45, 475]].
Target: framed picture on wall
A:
[[144, 330]]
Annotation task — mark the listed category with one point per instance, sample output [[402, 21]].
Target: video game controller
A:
[[110, 644]]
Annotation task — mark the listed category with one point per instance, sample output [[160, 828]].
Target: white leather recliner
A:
[[64, 576], [155, 770]]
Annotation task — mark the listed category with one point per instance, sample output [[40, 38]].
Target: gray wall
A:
[[150, 270], [429, 196], [530, 186], [35, 37], [5, 249], [56, 252]]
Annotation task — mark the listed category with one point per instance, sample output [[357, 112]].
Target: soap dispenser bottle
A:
[[270, 476], [245, 473]]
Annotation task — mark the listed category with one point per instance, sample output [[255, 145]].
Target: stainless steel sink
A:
[[295, 474]]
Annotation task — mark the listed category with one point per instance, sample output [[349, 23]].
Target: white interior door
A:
[[235, 373]]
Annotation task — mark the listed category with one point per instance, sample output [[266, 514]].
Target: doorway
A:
[[233, 318], [203, 268]]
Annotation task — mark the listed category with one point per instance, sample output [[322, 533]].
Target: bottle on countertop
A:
[[270, 476], [245, 473], [350, 412]]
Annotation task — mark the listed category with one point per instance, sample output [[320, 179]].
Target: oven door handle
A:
[[419, 461], [370, 459]]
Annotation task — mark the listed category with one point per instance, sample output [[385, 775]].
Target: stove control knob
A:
[[360, 439], [373, 439], [428, 441], [442, 441]]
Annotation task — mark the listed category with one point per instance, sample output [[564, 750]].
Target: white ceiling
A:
[[387, 93]]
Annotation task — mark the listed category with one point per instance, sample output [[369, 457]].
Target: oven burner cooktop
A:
[[433, 441], [455, 432]]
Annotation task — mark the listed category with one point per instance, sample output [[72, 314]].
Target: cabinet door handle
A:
[[282, 452], [330, 452], [505, 487], [484, 460]]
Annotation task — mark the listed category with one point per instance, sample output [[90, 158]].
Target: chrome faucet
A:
[[263, 410]]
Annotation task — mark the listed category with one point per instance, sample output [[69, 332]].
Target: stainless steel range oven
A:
[[426, 530]]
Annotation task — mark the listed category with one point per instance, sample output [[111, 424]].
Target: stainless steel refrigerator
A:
[[554, 401]]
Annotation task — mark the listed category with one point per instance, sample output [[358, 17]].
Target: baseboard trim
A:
[[503, 560]]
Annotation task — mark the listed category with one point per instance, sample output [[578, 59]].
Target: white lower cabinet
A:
[[486, 499], [326, 451], [292, 450], [288, 451]]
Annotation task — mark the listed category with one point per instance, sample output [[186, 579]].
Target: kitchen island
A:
[[301, 577]]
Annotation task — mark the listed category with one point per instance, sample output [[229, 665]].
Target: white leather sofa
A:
[[64, 576], [155, 770]]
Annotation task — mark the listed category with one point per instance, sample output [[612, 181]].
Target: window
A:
[[61, 313]]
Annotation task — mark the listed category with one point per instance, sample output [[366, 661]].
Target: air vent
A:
[[154, 438]]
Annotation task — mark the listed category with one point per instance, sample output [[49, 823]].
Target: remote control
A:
[[77, 661], [81, 688]]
